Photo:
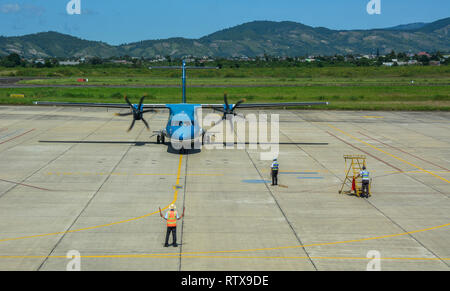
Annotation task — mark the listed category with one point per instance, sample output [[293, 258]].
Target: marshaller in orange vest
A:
[[171, 217]]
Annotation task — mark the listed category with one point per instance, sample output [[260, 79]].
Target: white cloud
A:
[[10, 8], [27, 10]]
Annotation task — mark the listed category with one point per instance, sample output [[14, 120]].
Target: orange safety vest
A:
[[172, 219]]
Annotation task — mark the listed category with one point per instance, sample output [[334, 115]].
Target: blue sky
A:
[[123, 21]]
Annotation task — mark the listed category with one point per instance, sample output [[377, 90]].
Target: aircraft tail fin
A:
[[183, 75]]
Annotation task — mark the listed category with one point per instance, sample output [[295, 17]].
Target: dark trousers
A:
[[172, 229], [365, 188], [274, 177]]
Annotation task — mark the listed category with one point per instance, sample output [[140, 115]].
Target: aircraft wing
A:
[[106, 105], [161, 106], [266, 105]]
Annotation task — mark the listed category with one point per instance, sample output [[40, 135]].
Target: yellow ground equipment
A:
[[355, 164]]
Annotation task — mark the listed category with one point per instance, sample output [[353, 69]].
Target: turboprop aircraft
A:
[[182, 125]]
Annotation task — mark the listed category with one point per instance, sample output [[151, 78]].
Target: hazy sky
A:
[[119, 21]]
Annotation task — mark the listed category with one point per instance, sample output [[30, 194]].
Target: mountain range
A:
[[250, 39]]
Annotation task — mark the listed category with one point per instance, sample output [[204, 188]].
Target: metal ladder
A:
[[356, 163]]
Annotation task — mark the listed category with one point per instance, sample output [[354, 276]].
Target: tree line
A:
[[15, 60]]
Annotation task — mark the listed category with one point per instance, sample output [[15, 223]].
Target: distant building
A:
[[435, 63], [69, 63], [424, 54], [205, 61], [123, 62], [160, 59]]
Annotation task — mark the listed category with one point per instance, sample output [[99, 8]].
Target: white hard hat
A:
[[172, 206], [274, 159]]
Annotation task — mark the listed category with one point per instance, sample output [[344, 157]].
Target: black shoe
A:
[[166, 245], [175, 245]]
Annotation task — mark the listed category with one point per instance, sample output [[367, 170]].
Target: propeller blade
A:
[[123, 114], [219, 122], [146, 124], [231, 123], [132, 124], [149, 110], [218, 109], [128, 101], [225, 99], [237, 104], [140, 102]]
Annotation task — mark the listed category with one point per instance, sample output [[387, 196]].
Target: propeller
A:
[[229, 110], [137, 112]]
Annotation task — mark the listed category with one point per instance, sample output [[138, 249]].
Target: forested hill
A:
[[249, 39]]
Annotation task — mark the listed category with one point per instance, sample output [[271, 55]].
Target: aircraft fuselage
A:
[[182, 125]]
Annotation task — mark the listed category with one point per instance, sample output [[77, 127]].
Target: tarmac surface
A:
[[74, 179]]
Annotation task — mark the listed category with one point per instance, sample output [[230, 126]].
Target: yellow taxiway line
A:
[[144, 256], [373, 116], [196, 254], [417, 172], [175, 197], [126, 174], [303, 246]]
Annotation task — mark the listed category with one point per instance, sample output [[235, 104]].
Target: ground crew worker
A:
[[274, 167], [365, 182], [171, 217]]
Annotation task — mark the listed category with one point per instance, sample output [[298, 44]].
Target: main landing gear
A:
[[206, 139], [160, 139]]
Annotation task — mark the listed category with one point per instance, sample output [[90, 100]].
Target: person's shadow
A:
[[178, 245]]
